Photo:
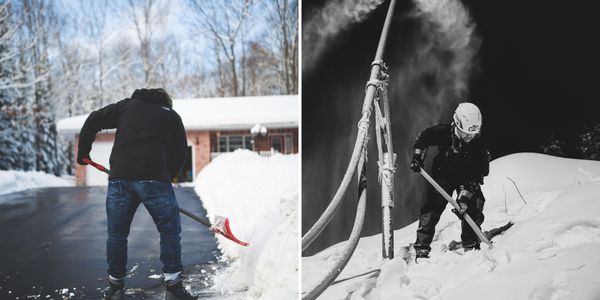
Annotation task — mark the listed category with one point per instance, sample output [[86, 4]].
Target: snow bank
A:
[[535, 172], [14, 181], [550, 253], [260, 197]]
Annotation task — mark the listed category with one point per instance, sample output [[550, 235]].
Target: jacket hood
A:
[[158, 96]]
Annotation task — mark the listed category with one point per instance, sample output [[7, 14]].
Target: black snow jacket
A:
[[460, 161], [150, 141]]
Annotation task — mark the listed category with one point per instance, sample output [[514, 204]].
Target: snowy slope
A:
[[14, 181], [550, 253], [260, 197]]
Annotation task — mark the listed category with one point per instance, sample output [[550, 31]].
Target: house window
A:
[[277, 143], [282, 143], [223, 144], [229, 143], [248, 142], [236, 142], [186, 174], [288, 144]]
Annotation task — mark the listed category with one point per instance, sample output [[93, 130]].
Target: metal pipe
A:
[[354, 236], [387, 185], [327, 215]]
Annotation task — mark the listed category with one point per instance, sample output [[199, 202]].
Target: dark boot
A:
[[468, 246], [115, 291], [175, 290], [421, 253]]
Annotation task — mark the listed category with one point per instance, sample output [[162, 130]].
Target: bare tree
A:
[[262, 66], [224, 24], [149, 16], [94, 21], [282, 15], [40, 22]]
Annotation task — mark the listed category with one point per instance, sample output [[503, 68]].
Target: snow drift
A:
[[550, 253], [14, 181], [260, 197]]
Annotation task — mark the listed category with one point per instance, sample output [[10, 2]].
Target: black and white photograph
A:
[[450, 150], [149, 149]]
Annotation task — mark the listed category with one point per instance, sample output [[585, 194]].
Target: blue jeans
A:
[[122, 200]]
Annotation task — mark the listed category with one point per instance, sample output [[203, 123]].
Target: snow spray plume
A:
[[431, 52], [324, 24], [433, 75]]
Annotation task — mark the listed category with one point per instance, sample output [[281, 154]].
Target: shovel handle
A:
[[467, 218], [96, 165], [228, 234], [200, 220]]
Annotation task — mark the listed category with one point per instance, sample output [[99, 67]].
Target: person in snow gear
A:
[[149, 150], [461, 163]]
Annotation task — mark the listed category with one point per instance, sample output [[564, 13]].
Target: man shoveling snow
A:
[[149, 150], [461, 164]]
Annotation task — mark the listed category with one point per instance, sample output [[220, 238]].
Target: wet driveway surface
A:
[[53, 243]]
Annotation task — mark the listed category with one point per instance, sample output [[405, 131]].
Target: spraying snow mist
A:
[[323, 25], [434, 74], [432, 54]]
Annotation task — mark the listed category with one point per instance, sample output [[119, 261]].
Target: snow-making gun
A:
[[375, 102]]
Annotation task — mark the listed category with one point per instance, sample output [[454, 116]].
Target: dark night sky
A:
[[537, 76], [539, 62]]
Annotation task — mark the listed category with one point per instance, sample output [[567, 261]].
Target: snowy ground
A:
[[14, 181], [260, 197], [550, 253]]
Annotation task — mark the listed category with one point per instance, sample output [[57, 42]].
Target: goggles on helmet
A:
[[465, 136]]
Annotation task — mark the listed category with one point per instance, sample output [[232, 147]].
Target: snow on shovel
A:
[[221, 225]]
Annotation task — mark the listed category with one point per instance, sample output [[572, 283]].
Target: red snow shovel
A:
[[222, 223]]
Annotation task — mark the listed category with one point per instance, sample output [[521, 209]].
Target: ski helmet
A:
[[467, 118]]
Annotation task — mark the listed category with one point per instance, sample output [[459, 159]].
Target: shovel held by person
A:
[[221, 225]]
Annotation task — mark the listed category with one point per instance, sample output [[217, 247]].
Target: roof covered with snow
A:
[[229, 113]]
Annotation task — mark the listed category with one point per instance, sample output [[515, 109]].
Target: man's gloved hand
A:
[[417, 163], [81, 155], [480, 180], [462, 208]]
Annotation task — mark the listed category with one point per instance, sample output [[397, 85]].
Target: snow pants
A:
[[434, 207], [122, 200]]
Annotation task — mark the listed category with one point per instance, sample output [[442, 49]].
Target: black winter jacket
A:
[[466, 163], [150, 142]]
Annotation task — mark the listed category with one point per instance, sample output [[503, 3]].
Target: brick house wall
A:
[[262, 143], [201, 152], [204, 143], [201, 141]]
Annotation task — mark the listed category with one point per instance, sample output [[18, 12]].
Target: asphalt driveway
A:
[[53, 242]]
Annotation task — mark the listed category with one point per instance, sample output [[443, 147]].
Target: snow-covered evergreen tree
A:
[[589, 144], [554, 146], [39, 20], [47, 157], [27, 130], [8, 149], [8, 146]]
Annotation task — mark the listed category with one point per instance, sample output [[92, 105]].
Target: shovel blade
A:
[[221, 226]]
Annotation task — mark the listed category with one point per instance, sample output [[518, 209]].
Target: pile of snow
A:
[[259, 195], [14, 181], [550, 253]]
